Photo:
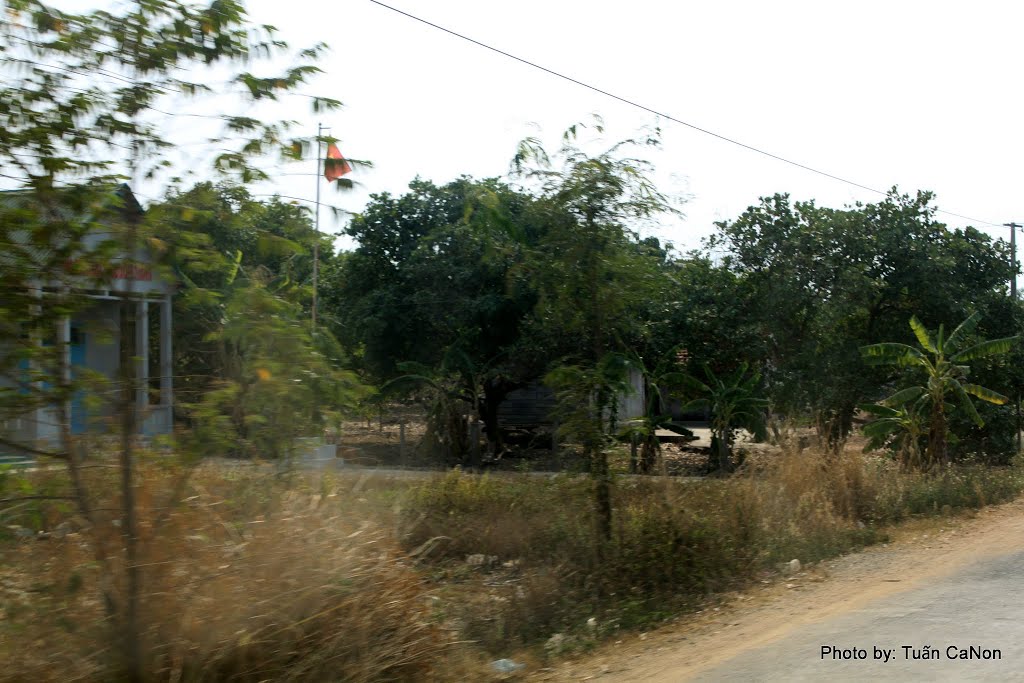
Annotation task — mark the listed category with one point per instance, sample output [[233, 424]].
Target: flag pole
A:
[[316, 224]]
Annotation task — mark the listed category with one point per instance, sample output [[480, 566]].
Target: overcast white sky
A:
[[916, 94]]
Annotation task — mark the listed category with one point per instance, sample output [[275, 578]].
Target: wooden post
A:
[[632, 454]]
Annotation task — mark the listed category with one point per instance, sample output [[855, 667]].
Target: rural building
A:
[[133, 307]]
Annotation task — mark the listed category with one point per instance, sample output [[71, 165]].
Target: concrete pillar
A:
[[34, 431], [166, 364], [142, 359], [64, 341]]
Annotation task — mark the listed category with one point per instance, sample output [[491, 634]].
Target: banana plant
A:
[[900, 427], [940, 359], [734, 404]]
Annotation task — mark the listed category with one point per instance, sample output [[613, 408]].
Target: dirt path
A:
[[921, 554]]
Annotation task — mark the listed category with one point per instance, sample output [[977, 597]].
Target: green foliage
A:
[[83, 100], [279, 382], [813, 284], [432, 270], [453, 396], [938, 359], [585, 410], [438, 269], [900, 425], [219, 239], [592, 271]]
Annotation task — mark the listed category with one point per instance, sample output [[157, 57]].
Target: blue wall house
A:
[[132, 307]]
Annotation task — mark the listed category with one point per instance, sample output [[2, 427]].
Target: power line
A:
[[651, 110]]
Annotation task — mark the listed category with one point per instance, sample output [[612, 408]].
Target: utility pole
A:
[[316, 223], [1013, 258], [1013, 296]]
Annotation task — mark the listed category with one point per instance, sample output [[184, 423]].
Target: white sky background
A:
[[924, 95]]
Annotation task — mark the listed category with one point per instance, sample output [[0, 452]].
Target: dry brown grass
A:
[[250, 577], [248, 580], [674, 542]]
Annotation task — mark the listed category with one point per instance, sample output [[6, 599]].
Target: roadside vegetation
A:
[[209, 553], [374, 577]]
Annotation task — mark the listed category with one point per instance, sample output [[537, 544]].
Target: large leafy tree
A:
[[83, 103], [593, 272], [252, 374], [435, 276], [939, 360], [817, 283], [219, 239]]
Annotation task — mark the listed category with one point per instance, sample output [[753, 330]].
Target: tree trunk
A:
[[495, 392], [129, 523], [70, 447], [937, 451], [602, 493], [720, 449], [649, 454]]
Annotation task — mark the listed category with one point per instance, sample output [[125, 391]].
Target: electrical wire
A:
[[663, 115]]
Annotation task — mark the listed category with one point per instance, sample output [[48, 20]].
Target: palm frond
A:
[[691, 382], [695, 404], [984, 394], [962, 330], [878, 410], [967, 404], [993, 347], [903, 396], [890, 353], [924, 338], [404, 382], [881, 428]]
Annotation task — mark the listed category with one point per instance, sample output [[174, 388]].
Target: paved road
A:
[[981, 606]]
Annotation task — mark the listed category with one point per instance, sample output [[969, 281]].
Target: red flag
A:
[[335, 165]]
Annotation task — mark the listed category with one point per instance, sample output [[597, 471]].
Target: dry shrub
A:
[[512, 517], [248, 580], [673, 541], [805, 505]]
